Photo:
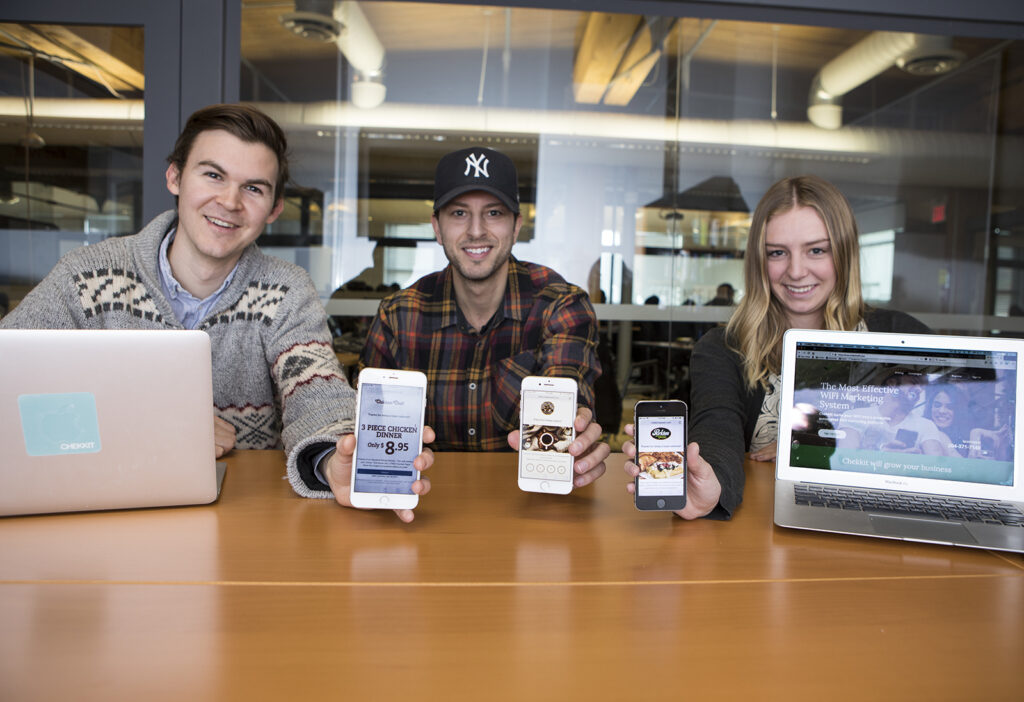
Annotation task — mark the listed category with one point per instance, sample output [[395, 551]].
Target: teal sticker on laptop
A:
[[56, 424]]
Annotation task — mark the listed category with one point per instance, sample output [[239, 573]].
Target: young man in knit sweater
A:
[[276, 380]]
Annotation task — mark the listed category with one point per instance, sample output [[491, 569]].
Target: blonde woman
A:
[[801, 269]]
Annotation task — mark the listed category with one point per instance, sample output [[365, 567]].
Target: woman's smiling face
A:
[[798, 256], [942, 410]]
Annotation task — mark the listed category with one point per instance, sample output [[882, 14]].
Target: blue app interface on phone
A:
[[389, 438]]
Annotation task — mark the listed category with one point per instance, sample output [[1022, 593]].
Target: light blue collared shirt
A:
[[189, 309]]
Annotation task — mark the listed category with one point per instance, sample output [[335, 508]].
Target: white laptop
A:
[[106, 419], [902, 436]]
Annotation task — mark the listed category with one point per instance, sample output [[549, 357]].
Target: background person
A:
[[801, 269], [725, 295]]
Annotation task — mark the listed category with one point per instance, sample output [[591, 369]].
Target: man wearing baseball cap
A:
[[488, 320]]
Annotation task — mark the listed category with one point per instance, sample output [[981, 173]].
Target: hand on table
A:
[[223, 436], [589, 454], [765, 454], [338, 471], [702, 487]]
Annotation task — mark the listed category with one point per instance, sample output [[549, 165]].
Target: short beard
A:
[[480, 277], [453, 259]]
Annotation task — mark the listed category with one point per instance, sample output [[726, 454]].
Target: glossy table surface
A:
[[492, 593]]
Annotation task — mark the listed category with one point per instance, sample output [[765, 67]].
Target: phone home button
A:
[[661, 503], [385, 501], [545, 486]]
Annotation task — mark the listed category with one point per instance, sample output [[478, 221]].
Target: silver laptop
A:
[[94, 420], [902, 436]]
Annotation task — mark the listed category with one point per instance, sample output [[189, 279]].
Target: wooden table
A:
[[492, 594]]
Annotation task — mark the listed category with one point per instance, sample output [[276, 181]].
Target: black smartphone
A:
[[906, 437], [660, 429]]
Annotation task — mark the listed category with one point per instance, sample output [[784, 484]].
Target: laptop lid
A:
[[914, 413], [105, 419]]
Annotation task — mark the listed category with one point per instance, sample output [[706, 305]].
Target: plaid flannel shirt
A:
[[545, 327]]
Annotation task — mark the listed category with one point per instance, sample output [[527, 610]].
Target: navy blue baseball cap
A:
[[476, 168]]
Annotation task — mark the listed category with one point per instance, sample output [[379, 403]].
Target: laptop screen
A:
[[902, 411]]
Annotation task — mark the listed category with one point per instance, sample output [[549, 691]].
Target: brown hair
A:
[[756, 328], [241, 121]]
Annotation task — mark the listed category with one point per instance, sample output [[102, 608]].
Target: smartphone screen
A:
[[660, 430], [388, 437], [545, 433]]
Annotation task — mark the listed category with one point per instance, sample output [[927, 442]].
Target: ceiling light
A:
[[367, 92]]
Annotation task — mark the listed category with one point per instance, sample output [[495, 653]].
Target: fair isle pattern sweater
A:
[[275, 375]]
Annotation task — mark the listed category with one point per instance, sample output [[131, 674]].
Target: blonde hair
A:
[[756, 328]]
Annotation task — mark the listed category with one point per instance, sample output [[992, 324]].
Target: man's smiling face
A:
[[477, 232], [225, 197]]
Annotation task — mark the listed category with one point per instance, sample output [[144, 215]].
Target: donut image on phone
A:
[[546, 438]]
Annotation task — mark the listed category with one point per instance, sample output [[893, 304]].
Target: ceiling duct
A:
[[313, 19], [920, 54], [364, 52], [345, 24]]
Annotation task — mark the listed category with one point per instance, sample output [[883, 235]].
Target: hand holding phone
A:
[[660, 428], [547, 412], [390, 406]]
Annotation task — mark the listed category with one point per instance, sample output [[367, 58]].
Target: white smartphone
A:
[[547, 410], [389, 435]]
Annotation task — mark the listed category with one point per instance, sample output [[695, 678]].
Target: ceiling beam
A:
[[606, 38], [640, 58], [79, 54]]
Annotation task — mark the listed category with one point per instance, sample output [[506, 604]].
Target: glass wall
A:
[[70, 143], [643, 144]]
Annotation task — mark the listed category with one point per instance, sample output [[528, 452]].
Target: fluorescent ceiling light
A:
[[800, 137]]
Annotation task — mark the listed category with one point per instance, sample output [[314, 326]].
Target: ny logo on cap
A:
[[478, 163]]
